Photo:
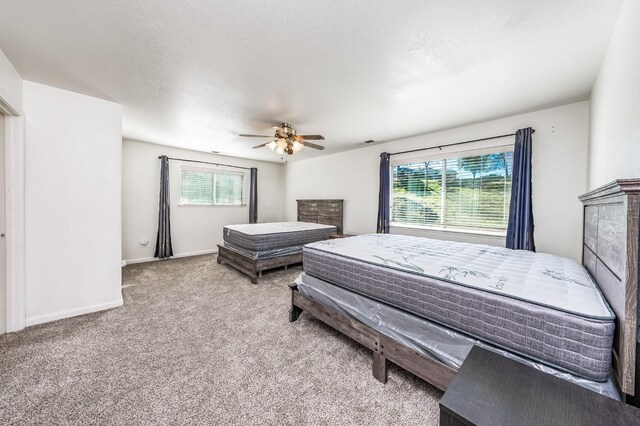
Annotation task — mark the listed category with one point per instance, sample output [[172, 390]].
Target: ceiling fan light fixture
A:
[[286, 140]]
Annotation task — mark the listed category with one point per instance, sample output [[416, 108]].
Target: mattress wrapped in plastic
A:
[[541, 306], [426, 337], [265, 254], [260, 237]]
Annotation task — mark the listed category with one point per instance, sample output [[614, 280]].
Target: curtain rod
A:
[[206, 162], [456, 143]]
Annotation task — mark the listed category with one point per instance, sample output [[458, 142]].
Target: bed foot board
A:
[[253, 267]]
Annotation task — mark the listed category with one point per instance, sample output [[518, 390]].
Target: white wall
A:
[[3, 293], [194, 229], [73, 203], [615, 104], [10, 84], [559, 177]]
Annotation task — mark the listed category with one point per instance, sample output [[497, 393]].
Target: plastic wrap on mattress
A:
[[264, 254], [426, 337]]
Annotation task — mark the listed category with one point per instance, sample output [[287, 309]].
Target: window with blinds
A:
[[210, 187], [462, 192], [228, 189]]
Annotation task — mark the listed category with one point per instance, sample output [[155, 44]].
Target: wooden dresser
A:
[[327, 212]]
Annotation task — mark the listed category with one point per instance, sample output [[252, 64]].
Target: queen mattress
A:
[[259, 237], [538, 305]]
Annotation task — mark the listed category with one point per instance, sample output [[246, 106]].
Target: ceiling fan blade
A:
[[312, 145], [312, 137], [261, 145], [244, 135]]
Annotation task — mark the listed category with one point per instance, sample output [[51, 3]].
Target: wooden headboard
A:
[[610, 254], [327, 212]]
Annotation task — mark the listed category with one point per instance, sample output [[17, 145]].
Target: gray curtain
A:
[[520, 228], [384, 207], [163, 240], [253, 196]]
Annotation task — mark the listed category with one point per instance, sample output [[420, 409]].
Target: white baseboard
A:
[[175, 256], [73, 312]]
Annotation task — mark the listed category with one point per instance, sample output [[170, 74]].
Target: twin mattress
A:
[[541, 306], [263, 237]]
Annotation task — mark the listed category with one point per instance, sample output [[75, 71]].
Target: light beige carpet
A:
[[197, 343]]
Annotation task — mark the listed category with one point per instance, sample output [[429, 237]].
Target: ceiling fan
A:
[[286, 141]]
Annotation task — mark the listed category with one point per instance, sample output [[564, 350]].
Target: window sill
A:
[[210, 205], [490, 234]]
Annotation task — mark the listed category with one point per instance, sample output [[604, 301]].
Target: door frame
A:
[[14, 124]]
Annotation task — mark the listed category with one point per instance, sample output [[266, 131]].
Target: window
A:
[[207, 187], [228, 189], [461, 192]]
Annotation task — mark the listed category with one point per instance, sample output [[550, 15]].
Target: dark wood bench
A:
[[490, 389]]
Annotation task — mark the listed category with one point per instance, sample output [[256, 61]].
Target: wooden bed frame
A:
[[610, 254], [326, 212], [611, 234], [253, 268], [385, 349]]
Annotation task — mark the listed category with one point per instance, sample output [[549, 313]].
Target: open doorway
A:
[[12, 270]]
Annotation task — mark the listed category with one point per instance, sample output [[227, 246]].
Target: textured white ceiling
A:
[[194, 74]]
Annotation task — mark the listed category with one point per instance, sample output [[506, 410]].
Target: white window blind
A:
[[464, 192], [228, 189], [210, 187], [196, 187]]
